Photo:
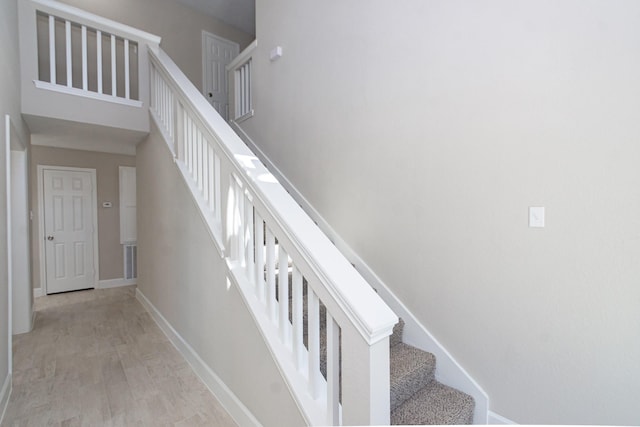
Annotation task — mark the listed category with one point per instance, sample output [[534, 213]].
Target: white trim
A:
[[7, 153], [37, 292], [244, 117], [87, 94], [495, 419], [243, 56], [94, 200], [218, 388], [449, 371], [5, 394], [99, 145], [115, 283]]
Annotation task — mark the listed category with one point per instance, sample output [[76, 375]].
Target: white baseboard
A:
[[5, 394], [225, 396], [115, 283], [37, 292], [448, 370], [496, 419]]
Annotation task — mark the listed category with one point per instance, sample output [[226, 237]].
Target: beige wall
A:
[[9, 104], [106, 166], [179, 26], [423, 130], [181, 272]]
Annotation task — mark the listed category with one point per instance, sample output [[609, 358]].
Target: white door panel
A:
[[69, 231], [217, 54]]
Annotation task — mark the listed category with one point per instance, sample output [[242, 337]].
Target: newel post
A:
[[365, 380]]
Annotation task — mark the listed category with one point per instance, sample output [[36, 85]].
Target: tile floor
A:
[[97, 358]]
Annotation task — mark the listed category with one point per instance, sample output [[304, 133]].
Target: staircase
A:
[[331, 335]]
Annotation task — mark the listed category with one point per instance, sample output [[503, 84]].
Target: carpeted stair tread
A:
[[411, 370], [396, 336], [436, 404]]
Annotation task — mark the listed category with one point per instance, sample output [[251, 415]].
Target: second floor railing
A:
[[71, 51]]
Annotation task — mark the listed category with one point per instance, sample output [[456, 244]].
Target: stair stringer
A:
[[448, 370]]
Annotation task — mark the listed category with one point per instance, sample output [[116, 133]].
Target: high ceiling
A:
[[239, 13]]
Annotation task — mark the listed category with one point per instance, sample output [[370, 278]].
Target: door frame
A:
[[41, 233], [206, 34]]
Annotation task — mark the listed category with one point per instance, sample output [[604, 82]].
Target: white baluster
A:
[[297, 319], [247, 91], [99, 59], [188, 130], [248, 236], [163, 103], [206, 169], [313, 342], [199, 177], [85, 79], [171, 117], [239, 215], [127, 90], [249, 87], [113, 66], [283, 297], [333, 371], [52, 49], [259, 257], [242, 89], [210, 178], [271, 276], [67, 32], [216, 183]]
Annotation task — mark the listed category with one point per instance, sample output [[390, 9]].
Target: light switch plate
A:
[[536, 216]]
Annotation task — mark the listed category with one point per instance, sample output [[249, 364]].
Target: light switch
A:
[[536, 216]]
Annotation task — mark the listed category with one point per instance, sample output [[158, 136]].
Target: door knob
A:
[[210, 95], [49, 238]]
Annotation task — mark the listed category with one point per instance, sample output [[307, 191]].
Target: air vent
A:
[[130, 262]]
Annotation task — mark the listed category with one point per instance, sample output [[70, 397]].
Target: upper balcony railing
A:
[[68, 53]]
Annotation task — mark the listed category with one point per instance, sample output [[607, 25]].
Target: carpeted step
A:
[[396, 336], [411, 370], [436, 404]]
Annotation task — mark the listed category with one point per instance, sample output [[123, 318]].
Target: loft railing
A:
[[67, 50], [326, 327], [66, 53]]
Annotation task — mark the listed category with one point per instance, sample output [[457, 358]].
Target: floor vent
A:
[[130, 261]]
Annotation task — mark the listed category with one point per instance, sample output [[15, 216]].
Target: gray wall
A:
[[182, 274], [179, 26], [106, 165], [423, 130], [9, 104]]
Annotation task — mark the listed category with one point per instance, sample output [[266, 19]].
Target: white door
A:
[[69, 230], [217, 54]]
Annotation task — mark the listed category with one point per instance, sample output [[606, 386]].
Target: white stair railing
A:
[[82, 54], [336, 364]]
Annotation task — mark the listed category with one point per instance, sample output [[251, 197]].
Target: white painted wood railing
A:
[[326, 327], [239, 71], [79, 53]]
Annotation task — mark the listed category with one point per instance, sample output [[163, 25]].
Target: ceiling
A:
[[239, 13]]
